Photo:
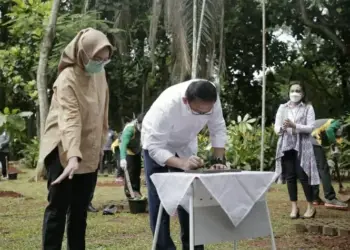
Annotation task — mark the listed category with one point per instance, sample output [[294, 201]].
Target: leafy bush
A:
[[30, 154], [13, 122], [243, 144]]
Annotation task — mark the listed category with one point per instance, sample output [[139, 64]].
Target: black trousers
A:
[[326, 179], [134, 169], [293, 171], [120, 172], [165, 241], [68, 201], [107, 161], [94, 183], [4, 166]]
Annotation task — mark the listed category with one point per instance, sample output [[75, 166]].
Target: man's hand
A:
[[123, 164], [218, 166], [192, 162], [69, 171]]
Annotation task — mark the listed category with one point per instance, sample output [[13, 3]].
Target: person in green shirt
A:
[[327, 132], [130, 154]]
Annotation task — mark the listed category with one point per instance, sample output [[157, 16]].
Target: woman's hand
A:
[[72, 166], [289, 124]]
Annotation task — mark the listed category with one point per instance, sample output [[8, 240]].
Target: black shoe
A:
[[110, 210], [92, 209]]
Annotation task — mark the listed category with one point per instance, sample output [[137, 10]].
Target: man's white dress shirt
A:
[[170, 128]]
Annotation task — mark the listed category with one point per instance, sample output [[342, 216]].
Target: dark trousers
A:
[[3, 161], [94, 183], [164, 239], [134, 169], [120, 172], [325, 175], [293, 171], [68, 201], [107, 161]]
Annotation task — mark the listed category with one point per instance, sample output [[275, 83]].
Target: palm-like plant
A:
[[183, 29]]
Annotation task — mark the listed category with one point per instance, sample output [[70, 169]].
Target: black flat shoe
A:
[[92, 209], [295, 216]]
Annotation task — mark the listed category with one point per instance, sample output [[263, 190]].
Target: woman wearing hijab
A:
[[75, 133], [295, 157]]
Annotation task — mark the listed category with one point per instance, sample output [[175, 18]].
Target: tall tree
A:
[[182, 27], [45, 49]]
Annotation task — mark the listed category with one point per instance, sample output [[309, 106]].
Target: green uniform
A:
[[130, 150], [130, 139]]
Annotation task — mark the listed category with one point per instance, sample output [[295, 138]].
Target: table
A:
[[222, 206]]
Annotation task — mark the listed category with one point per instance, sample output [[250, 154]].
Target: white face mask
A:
[[295, 97]]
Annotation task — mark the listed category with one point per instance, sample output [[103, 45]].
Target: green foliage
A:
[[243, 144], [30, 153], [344, 147], [243, 149], [13, 122], [204, 146]]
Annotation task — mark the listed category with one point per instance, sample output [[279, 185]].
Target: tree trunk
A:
[[86, 6], [45, 49]]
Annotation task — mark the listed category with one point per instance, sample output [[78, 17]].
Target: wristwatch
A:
[[218, 160]]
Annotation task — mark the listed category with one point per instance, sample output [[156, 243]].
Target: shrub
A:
[[30, 154], [243, 144]]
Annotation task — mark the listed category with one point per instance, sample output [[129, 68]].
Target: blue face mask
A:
[[94, 67]]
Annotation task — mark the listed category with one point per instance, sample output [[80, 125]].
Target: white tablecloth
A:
[[235, 192]]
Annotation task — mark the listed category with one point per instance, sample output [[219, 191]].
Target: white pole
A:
[[194, 40], [263, 87]]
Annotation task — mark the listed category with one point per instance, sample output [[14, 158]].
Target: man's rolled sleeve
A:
[[217, 127], [69, 120]]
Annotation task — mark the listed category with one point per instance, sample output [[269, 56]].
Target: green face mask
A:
[[94, 67]]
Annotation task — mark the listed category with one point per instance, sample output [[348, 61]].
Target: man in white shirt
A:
[[169, 141]]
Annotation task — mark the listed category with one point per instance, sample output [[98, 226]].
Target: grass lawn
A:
[[21, 219]]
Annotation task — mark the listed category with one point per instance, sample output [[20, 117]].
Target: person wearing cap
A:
[[169, 140], [327, 132], [75, 133], [130, 155]]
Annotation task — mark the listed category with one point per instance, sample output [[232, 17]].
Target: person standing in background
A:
[[327, 132], [107, 151], [4, 152], [75, 134], [130, 154], [295, 158], [106, 159]]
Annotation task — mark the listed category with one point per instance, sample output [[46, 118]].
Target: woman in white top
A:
[[295, 158]]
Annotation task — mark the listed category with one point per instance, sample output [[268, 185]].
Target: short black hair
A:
[[201, 90], [140, 117]]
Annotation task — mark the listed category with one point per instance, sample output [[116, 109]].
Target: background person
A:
[[327, 132], [295, 158], [130, 154], [4, 152]]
